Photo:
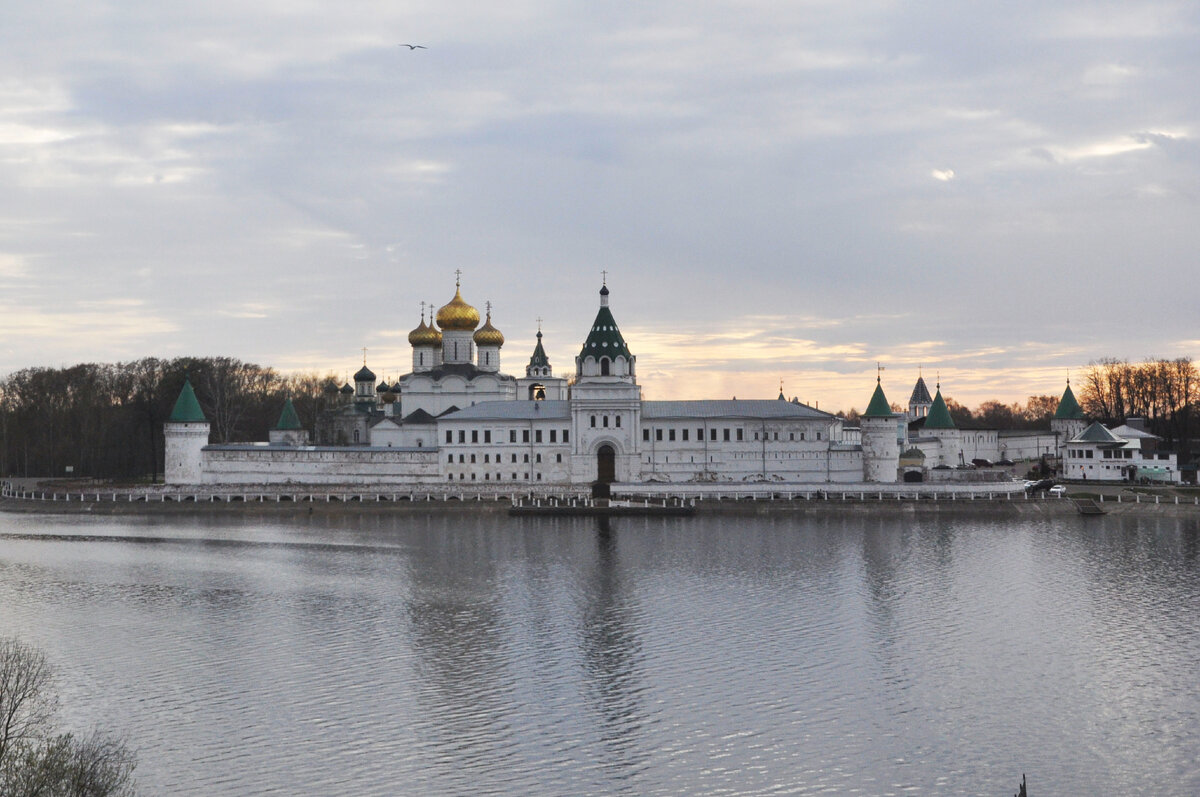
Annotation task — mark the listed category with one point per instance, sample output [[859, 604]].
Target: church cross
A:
[[604, 277], [364, 355], [457, 277], [422, 312]]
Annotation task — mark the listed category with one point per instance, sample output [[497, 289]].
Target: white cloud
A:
[[944, 175]]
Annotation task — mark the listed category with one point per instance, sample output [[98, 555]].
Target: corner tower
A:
[[1068, 420], [185, 434], [880, 443]]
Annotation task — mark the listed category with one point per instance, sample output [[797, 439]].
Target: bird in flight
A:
[[415, 46]]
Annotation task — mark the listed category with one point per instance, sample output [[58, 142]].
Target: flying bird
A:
[[415, 46]]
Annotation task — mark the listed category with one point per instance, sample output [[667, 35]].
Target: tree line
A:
[[104, 420]]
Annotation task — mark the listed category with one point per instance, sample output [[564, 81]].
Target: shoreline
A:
[[994, 507]]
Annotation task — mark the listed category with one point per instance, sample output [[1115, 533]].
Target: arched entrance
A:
[[913, 476], [606, 464]]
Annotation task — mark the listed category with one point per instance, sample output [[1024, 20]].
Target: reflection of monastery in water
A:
[[457, 418]]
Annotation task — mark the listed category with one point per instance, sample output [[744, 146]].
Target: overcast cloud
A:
[[996, 191]]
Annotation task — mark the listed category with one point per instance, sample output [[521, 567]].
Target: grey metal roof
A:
[[513, 411], [1096, 433], [731, 408]]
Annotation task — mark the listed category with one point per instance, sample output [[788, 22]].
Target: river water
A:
[[461, 654]]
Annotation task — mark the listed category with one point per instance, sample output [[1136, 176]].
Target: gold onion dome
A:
[[458, 315], [425, 335], [488, 335]]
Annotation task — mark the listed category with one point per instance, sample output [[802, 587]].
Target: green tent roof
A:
[[605, 338], [187, 408], [288, 419], [879, 406], [539, 358], [1068, 407], [939, 415]]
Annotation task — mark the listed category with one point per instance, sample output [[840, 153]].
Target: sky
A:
[[993, 194]]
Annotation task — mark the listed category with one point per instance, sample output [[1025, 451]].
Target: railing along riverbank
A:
[[559, 495]]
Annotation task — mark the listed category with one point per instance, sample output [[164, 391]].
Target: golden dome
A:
[[425, 335], [458, 315], [488, 335]]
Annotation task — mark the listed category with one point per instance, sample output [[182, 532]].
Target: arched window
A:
[[603, 366]]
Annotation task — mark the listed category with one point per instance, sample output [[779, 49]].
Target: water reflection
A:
[[458, 655], [612, 658]]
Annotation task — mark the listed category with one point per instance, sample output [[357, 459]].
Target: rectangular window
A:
[[618, 421], [712, 435], [526, 458], [474, 435], [460, 459], [539, 457], [524, 435], [739, 434], [487, 436], [645, 435], [791, 435], [486, 458], [593, 421], [512, 435], [449, 457], [558, 457], [685, 435], [658, 435], [514, 459], [802, 435], [462, 436], [566, 435], [671, 435], [472, 459], [449, 436], [553, 435], [1089, 453], [726, 435], [699, 434], [537, 436], [605, 419]]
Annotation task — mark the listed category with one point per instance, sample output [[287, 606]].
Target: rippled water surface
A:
[[383, 655]]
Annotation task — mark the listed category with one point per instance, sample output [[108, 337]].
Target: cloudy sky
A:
[[998, 192]]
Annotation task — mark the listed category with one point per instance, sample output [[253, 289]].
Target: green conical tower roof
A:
[[539, 358], [1068, 407], [187, 408], [288, 419], [879, 406], [605, 338], [939, 415]]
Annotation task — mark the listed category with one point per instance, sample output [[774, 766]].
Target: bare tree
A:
[[36, 760]]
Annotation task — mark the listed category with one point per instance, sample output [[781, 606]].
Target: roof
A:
[[731, 408], [1096, 433], [465, 370], [364, 374], [939, 414], [604, 337], [187, 408], [539, 358], [1068, 407], [419, 416], [879, 406], [1130, 433], [513, 411], [288, 419], [920, 394]]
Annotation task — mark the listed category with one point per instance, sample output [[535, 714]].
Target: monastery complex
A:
[[456, 418]]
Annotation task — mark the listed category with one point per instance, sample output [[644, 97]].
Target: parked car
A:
[[1038, 486], [1058, 491]]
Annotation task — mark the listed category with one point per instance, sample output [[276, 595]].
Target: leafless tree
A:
[[36, 760]]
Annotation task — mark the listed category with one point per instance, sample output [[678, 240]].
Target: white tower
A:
[[185, 434], [606, 405], [880, 443]]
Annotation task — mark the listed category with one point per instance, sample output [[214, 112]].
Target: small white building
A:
[[1124, 453]]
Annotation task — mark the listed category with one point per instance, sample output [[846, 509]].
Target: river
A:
[[475, 654]]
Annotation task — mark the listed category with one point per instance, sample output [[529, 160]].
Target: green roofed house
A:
[[288, 431]]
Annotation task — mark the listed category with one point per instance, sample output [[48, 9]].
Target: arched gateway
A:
[[606, 464]]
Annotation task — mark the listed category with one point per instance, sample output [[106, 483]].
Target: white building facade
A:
[[457, 419]]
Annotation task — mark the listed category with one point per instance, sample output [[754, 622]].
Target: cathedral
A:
[[457, 418]]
